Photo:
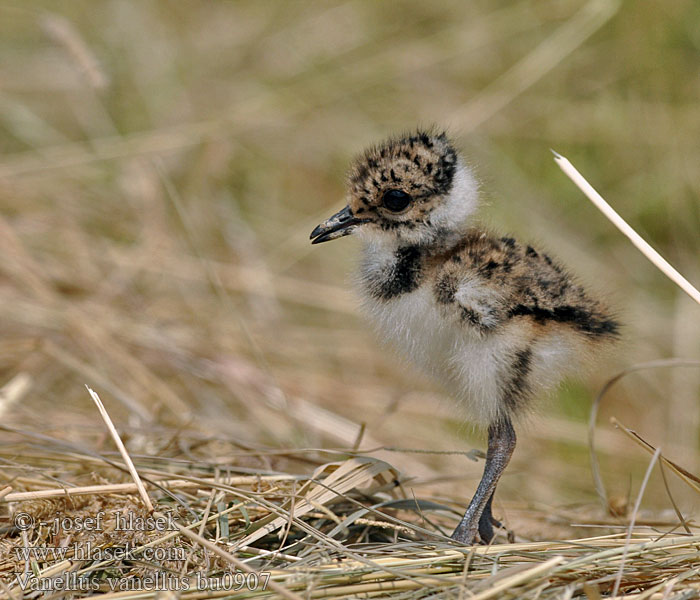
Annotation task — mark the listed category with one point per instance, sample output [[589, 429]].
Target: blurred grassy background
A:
[[163, 163]]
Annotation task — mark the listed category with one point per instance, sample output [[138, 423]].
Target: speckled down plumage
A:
[[496, 321]]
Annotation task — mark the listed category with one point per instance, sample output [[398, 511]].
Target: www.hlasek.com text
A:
[[86, 551]]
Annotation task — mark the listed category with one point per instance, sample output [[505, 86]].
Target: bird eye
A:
[[396, 200]]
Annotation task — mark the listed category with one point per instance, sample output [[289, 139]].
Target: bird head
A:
[[410, 190]]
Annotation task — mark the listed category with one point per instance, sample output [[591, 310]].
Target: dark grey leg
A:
[[501, 446], [487, 523]]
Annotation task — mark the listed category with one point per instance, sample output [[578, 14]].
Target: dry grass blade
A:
[[532, 67], [635, 511], [128, 488], [122, 449], [521, 578], [640, 243], [595, 407], [65, 34], [686, 476], [13, 391]]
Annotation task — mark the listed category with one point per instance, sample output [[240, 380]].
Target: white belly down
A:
[[464, 362]]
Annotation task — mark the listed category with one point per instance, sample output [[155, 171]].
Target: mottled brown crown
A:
[[422, 164]]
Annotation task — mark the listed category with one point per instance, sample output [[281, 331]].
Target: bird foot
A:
[[485, 529], [486, 525]]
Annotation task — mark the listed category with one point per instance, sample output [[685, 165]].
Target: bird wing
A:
[[481, 303]]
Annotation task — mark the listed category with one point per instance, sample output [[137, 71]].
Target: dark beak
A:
[[340, 224]]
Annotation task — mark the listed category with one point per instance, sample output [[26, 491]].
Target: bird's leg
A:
[[501, 446], [487, 522]]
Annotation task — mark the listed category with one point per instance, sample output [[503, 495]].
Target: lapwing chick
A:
[[497, 322]]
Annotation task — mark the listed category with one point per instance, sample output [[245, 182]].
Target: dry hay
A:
[[331, 524]]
